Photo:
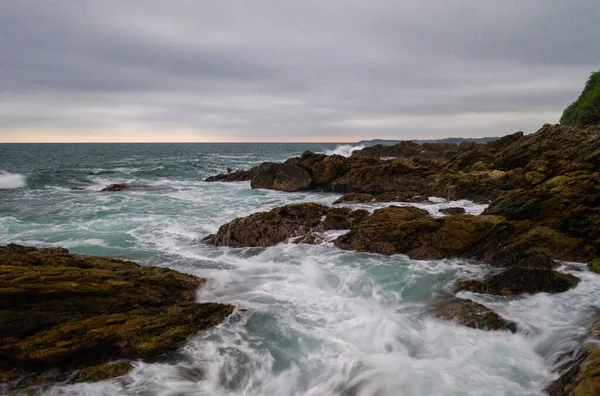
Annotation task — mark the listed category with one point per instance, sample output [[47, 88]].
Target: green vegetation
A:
[[586, 109]]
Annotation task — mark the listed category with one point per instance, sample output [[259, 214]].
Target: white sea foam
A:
[[12, 180], [344, 150], [319, 321]]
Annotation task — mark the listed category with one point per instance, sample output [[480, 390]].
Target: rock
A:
[[101, 372], [343, 218], [471, 314], [355, 198], [583, 377], [233, 176], [390, 230], [116, 187], [269, 228], [594, 266], [61, 312], [515, 281], [77, 188], [283, 177], [452, 211], [309, 239], [122, 186]]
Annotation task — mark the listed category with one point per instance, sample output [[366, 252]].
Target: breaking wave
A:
[[12, 180]]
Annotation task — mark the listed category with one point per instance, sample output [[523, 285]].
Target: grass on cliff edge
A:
[[586, 109]]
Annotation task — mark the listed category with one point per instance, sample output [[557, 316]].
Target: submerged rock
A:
[[61, 312], [122, 186], [471, 314], [515, 281]]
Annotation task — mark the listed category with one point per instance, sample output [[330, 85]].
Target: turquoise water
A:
[[313, 320]]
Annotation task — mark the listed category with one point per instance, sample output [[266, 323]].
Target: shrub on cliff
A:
[[586, 109]]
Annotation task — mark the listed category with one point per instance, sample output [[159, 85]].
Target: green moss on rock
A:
[[101, 372]]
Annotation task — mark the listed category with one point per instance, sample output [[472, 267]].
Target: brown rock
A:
[[515, 281], [471, 314]]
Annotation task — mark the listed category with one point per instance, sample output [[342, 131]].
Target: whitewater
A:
[[310, 320]]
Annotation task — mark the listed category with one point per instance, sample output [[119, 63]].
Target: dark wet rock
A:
[[469, 313], [583, 377], [123, 186], [77, 188], [412, 231], [309, 239], [101, 372], [234, 176], [269, 228], [452, 211], [385, 197], [594, 266], [61, 312], [343, 218], [516, 280], [283, 177]]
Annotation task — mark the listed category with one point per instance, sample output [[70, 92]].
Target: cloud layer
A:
[[269, 70]]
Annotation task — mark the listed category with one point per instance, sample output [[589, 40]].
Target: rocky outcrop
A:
[[234, 176], [517, 280], [62, 313], [282, 177], [469, 313], [280, 224], [583, 377]]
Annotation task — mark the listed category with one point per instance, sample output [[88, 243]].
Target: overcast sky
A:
[[276, 70]]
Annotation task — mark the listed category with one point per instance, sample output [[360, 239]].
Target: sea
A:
[[311, 320]]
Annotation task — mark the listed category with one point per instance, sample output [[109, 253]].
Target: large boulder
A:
[[469, 313], [278, 225], [283, 177], [516, 280], [269, 228], [61, 312], [235, 176]]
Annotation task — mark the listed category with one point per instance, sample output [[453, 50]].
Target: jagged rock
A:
[[233, 176], [61, 312], [283, 177], [452, 211], [343, 218], [583, 377], [516, 280], [471, 314], [269, 228]]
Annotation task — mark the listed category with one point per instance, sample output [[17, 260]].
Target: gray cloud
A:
[[273, 70]]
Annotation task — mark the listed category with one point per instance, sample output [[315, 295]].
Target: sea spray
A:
[[12, 180]]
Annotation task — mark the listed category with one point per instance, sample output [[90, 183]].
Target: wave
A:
[[344, 150], [12, 180]]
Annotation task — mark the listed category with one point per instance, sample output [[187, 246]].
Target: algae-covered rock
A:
[[60, 311], [452, 211], [101, 372], [469, 313], [583, 377], [269, 228], [515, 281], [594, 266]]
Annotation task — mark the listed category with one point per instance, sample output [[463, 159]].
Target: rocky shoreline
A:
[[73, 318], [543, 196]]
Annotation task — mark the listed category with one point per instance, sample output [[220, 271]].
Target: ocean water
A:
[[312, 320]]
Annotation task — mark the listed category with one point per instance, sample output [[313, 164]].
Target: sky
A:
[[274, 70]]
